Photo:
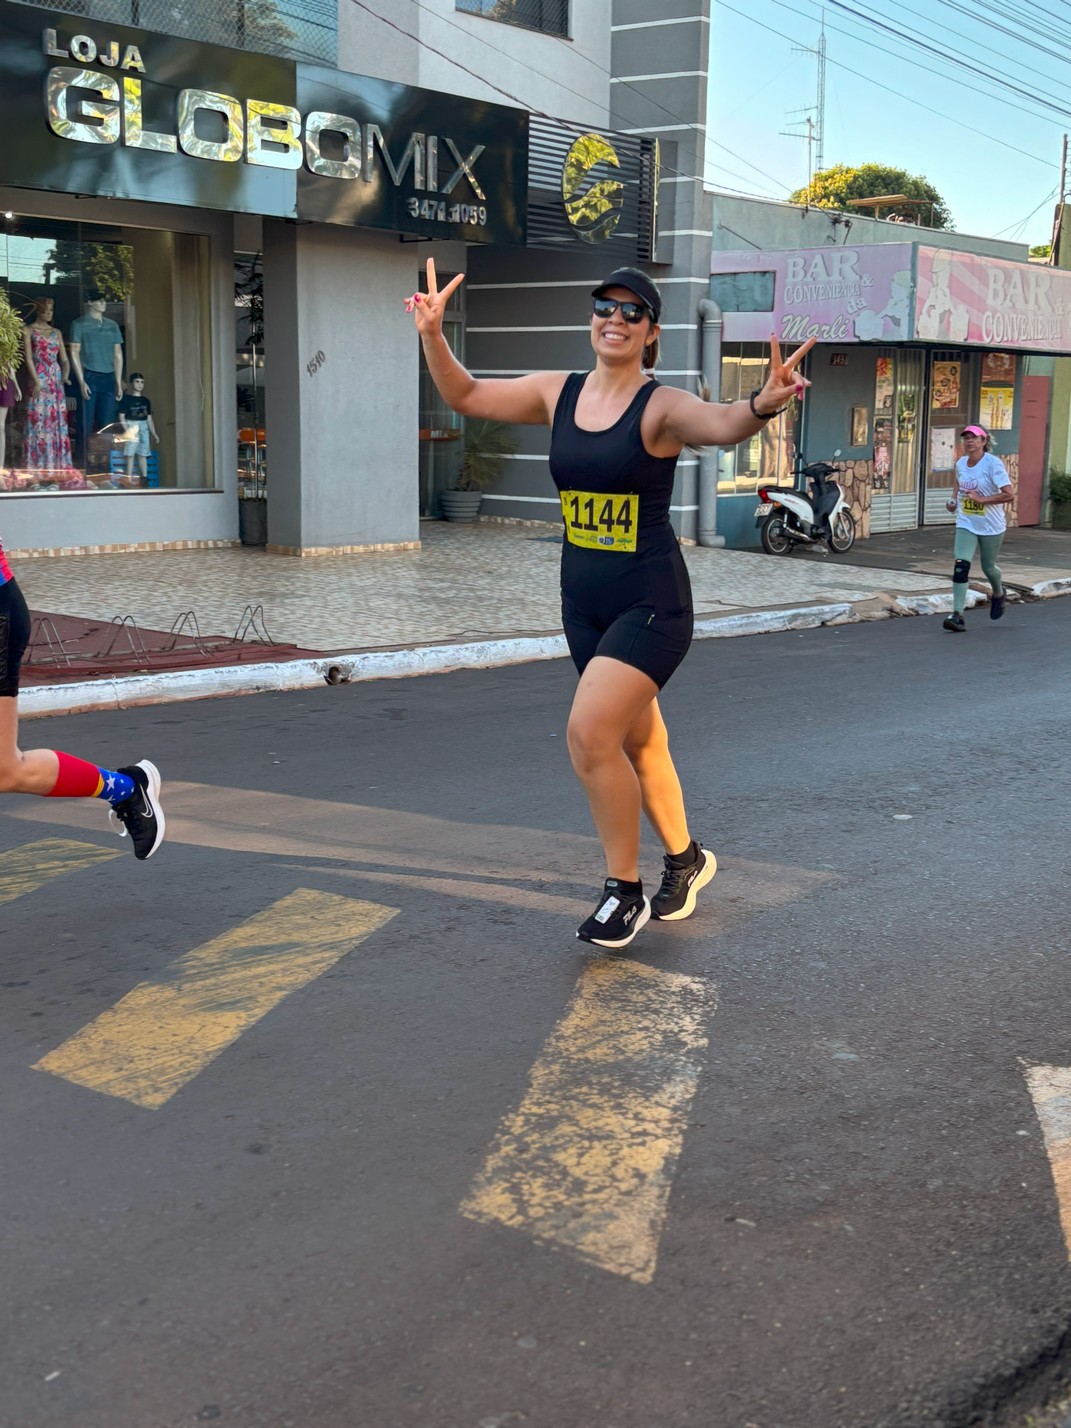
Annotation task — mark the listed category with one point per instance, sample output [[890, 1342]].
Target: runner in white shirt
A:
[[982, 489]]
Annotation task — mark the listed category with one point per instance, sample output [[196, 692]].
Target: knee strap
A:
[[961, 572]]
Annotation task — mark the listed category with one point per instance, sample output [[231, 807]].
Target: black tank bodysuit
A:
[[625, 590]]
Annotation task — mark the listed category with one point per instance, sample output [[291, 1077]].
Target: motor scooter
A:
[[788, 516]]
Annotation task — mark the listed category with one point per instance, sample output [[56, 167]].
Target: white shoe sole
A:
[[642, 919], [152, 773], [701, 881]]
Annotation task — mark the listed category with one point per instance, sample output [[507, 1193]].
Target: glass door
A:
[[950, 399], [897, 407]]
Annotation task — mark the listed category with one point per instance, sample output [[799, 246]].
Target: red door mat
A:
[[65, 648]]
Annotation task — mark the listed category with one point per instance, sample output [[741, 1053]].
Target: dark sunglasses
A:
[[632, 312]]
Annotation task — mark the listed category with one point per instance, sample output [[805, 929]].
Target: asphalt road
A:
[[395, 1150]]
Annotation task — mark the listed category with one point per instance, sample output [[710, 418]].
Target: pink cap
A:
[[976, 431]]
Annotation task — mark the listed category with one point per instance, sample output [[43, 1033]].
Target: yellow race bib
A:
[[598, 521], [971, 507]]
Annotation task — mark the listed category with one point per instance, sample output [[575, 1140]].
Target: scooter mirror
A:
[[836, 453]]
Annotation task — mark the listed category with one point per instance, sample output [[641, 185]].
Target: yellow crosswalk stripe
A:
[[586, 1161], [25, 869], [164, 1032], [1050, 1087]]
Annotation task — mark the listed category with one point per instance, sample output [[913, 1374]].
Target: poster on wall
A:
[[942, 448], [883, 387], [860, 426], [882, 452], [998, 369], [996, 408], [946, 386]]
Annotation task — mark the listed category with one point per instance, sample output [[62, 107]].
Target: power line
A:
[[875, 84], [910, 38], [496, 49], [1024, 221], [916, 64]]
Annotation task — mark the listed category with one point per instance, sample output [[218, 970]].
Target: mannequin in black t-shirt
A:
[[135, 412]]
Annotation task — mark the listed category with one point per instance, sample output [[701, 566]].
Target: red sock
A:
[[76, 778]]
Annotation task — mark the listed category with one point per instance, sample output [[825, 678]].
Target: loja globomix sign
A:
[[131, 114]]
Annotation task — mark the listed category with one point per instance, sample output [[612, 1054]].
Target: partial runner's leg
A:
[[134, 793], [610, 698], [647, 750], [964, 551], [990, 549]]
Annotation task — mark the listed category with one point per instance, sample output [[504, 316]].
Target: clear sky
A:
[[998, 168]]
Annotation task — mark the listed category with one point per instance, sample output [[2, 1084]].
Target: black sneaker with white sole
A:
[[675, 899], [618, 917], [141, 815], [955, 622]]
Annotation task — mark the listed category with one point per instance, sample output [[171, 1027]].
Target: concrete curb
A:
[[175, 686]]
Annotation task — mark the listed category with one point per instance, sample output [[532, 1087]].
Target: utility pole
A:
[[809, 139]]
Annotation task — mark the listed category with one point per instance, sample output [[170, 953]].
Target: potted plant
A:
[[486, 445], [1060, 495]]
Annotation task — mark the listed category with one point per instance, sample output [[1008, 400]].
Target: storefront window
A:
[[114, 392], [743, 292], [996, 405], [250, 375], [768, 456]]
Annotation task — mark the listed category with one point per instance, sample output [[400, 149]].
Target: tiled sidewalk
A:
[[467, 582]]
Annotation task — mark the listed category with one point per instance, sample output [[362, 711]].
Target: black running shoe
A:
[[141, 815], [996, 607], [955, 622], [675, 899], [617, 919]]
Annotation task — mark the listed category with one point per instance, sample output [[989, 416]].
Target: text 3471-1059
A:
[[442, 212]]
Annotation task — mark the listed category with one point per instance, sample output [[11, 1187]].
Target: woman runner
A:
[[626, 601], [133, 793], [980, 491]]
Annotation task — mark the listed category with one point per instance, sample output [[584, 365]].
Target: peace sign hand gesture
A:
[[784, 382], [428, 308]]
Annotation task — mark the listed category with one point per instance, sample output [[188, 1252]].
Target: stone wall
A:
[[1011, 461], [857, 478]]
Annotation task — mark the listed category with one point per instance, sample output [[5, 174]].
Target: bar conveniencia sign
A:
[[106, 109], [896, 292]]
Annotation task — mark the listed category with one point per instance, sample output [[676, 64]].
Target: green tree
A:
[[832, 188], [107, 266], [1041, 250]]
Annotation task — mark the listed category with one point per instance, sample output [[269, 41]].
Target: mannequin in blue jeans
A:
[[96, 348]]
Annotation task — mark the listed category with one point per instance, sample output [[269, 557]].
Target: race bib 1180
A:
[[599, 521], [971, 507]]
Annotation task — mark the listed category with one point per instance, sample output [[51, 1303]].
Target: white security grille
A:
[[295, 29], [550, 16]]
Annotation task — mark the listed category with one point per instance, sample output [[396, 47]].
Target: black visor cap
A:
[[637, 282]]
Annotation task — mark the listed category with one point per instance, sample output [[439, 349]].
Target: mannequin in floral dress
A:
[[48, 445]]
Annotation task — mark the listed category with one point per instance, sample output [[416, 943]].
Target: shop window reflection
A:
[[101, 305], [767, 457]]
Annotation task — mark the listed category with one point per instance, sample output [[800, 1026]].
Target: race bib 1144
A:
[[599, 521]]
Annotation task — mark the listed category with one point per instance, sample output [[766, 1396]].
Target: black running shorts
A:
[[14, 637]]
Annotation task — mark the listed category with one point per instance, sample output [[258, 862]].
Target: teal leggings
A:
[[966, 548]]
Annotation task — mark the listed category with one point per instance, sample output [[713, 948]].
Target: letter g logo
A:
[[595, 211]]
